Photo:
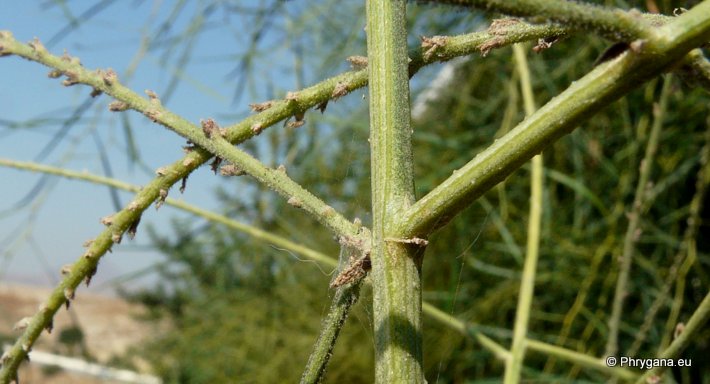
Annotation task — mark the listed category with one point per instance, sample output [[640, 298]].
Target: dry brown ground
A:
[[108, 323]]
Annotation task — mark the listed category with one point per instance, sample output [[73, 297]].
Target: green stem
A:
[[694, 325], [527, 284], [396, 266], [632, 233], [610, 22], [606, 83], [345, 297]]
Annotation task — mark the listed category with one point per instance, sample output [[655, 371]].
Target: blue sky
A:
[[48, 231]]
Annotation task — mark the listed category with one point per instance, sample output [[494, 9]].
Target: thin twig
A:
[[633, 231], [527, 284], [694, 325]]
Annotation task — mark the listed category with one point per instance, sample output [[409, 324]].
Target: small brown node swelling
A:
[[353, 273], [210, 128], [543, 44], [162, 195], [117, 106], [340, 90], [432, 44], [296, 202], [107, 220], [501, 26], [109, 76], [153, 115], [256, 128], [260, 107], [230, 170], [357, 62]]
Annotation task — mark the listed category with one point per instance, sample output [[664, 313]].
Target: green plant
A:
[[401, 227]]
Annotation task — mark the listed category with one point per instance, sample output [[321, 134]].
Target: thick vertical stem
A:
[[395, 263]]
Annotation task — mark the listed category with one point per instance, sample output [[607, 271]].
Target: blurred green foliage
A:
[[240, 311]]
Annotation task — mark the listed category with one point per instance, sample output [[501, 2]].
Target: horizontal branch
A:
[[606, 83], [609, 22]]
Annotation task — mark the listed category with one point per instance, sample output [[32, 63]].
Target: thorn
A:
[[214, 165], [88, 278], [50, 326], [188, 148], [69, 293], [183, 184], [66, 269], [133, 228], [322, 106]]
